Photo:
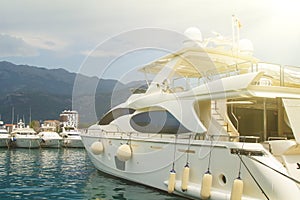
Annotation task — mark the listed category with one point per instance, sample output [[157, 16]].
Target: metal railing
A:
[[230, 138], [274, 74], [196, 136], [282, 75]]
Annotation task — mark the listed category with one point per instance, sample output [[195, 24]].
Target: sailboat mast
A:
[[30, 114], [12, 115]]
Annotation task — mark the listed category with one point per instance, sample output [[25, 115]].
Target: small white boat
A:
[[50, 138], [4, 136], [25, 137], [71, 137]]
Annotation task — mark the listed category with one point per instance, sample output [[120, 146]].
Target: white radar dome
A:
[[193, 33], [246, 46]]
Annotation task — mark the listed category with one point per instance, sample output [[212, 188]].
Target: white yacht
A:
[[4, 136], [50, 138], [231, 131], [25, 137], [71, 137]]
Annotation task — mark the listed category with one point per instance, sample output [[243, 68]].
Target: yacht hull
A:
[[51, 143], [4, 142], [72, 143], [27, 142], [153, 158]]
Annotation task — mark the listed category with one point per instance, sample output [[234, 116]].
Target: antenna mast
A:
[[12, 115], [236, 25], [29, 114]]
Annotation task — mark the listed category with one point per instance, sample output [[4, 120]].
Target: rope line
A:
[[174, 156], [188, 150], [261, 189], [210, 150], [291, 178], [239, 154]]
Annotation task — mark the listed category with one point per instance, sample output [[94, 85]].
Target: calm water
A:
[[63, 174]]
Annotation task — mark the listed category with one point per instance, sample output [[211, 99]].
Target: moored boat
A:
[[4, 136], [223, 136], [71, 137], [50, 138], [25, 137], [70, 133]]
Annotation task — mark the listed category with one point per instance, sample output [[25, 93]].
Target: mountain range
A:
[[44, 93]]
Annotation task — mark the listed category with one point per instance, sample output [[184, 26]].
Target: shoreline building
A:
[[69, 118]]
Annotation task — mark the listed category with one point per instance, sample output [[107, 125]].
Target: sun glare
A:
[[286, 7]]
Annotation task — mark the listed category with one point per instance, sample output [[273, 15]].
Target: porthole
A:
[[222, 179]]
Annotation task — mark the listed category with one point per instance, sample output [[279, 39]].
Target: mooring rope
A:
[[188, 151], [240, 164], [174, 155], [291, 178], [261, 189], [210, 150]]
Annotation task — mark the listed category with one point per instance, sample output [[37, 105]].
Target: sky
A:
[[104, 38]]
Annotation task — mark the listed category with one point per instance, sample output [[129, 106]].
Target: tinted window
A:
[[114, 114], [157, 122]]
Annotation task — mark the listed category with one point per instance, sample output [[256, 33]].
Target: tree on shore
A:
[[35, 124]]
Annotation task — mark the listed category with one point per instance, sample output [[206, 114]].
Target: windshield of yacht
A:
[[73, 134], [25, 133]]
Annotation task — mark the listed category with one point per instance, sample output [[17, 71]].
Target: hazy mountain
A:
[[47, 92]]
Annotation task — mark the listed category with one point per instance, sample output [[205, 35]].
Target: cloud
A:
[[26, 45], [75, 28], [100, 53], [43, 41], [11, 46]]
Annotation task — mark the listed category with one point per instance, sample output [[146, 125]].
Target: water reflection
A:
[[100, 186], [43, 173], [63, 174]]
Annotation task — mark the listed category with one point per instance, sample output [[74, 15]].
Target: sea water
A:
[[63, 174]]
